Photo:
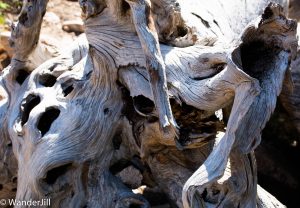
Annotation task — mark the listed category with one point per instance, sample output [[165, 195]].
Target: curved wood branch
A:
[[238, 135], [25, 34], [103, 81], [145, 27]]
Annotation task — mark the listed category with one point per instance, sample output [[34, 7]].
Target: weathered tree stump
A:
[[175, 93]]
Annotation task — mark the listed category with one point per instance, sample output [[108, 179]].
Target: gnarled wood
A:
[[81, 118]]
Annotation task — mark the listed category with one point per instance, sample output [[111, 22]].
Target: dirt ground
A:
[[58, 12]]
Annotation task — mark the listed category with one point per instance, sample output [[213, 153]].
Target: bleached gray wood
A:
[[77, 119], [145, 28]]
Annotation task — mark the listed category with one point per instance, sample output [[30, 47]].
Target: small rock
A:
[[75, 26], [131, 176]]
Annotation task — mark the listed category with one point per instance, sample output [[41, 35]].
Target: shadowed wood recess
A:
[[159, 102]]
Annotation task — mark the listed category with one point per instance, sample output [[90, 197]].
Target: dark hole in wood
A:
[[211, 196], [125, 7], [129, 110], [268, 13], [182, 31], [119, 166], [47, 80], [194, 121], [117, 141], [137, 163], [255, 57], [47, 119], [100, 6], [14, 190], [156, 198], [68, 90], [204, 194], [215, 192], [53, 174], [106, 111], [15, 179], [1, 186], [30, 102], [21, 76], [23, 18], [152, 119], [143, 104], [9, 145], [217, 68]]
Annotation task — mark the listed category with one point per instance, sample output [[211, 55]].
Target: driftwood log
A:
[[158, 99]]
